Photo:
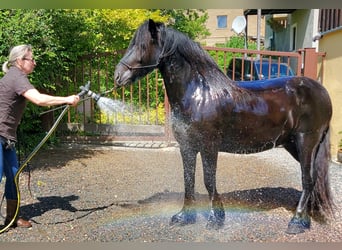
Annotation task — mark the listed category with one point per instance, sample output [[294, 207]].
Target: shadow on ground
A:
[[47, 159], [252, 200]]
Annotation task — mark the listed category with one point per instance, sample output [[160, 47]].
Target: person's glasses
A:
[[29, 59]]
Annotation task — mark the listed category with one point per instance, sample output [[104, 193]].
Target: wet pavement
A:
[[128, 193]]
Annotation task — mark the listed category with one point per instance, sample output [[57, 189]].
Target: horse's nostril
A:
[[117, 76]]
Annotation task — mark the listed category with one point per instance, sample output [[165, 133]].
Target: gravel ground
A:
[[128, 194]]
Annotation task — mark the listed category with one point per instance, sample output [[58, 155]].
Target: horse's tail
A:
[[322, 200]]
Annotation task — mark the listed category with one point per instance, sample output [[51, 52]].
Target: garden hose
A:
[[24, 164]]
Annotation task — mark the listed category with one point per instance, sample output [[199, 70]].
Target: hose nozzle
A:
[[86, 91]]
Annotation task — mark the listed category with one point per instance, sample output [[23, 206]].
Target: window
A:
[[293, 36], [330, 19], [222, 22]]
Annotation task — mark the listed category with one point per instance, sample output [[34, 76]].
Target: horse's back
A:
[[310, 94], [314, 103], [303, 88], [262, 85]]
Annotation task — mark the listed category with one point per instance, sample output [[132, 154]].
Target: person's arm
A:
[[40, 99]]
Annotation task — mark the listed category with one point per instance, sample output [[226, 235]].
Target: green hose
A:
[[27, 160]]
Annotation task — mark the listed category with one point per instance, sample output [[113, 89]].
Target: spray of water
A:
[[111, 106]]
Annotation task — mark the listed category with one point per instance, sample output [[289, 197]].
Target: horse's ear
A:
[[152, 28]]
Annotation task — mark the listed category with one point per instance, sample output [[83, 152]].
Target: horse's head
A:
[[143, 54]]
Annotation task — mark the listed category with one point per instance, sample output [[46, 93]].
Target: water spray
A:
[[105, 104]]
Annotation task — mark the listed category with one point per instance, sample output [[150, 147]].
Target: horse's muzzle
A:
[[122, 76]]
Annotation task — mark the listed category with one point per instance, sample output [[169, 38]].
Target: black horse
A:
[[212, 113]]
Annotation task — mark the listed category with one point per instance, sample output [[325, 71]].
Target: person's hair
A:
[[16, 52]]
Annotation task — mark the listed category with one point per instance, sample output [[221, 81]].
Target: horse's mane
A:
[[190, 50], [198, 58]]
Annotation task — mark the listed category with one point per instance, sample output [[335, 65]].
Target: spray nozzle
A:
[[86, 91]]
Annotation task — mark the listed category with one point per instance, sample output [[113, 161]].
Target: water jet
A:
[[104, 103]]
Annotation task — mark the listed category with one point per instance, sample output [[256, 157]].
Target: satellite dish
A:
[[239, 24]]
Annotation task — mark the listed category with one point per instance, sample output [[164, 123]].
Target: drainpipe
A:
[[258, 29]]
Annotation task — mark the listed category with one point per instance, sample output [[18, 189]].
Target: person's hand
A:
[[72, 100]]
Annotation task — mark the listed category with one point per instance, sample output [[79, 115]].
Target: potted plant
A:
[[339, 150]]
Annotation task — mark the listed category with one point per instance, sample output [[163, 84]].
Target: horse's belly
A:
[[245, 142], [244, 134], [236, 148]]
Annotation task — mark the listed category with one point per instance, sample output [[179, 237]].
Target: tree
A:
[[189, 21], [31, 27], [114, 28]]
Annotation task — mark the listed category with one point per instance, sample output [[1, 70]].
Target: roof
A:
[[247, 12]]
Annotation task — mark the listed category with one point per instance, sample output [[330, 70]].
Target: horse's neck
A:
[[181, 79], [174, 83]]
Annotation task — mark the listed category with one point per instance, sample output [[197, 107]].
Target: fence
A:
[[149, 113]]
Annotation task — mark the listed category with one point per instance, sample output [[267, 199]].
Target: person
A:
[[15, 90]]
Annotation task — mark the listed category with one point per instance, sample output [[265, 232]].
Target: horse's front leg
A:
[[188, 213], [216, 215]]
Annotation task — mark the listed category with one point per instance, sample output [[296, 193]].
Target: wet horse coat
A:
[[212, 113]]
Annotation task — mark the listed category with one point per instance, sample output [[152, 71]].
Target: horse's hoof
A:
[[298, 225], [183, 218], [216, 219], [216, 225]]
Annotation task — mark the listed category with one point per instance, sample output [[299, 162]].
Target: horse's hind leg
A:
[[216, 215], [307, 145], [188, 213]]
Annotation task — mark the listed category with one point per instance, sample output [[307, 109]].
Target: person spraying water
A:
[[13, 205], [15, 91]]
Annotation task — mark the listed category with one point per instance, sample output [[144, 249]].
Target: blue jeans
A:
[[9, 166]]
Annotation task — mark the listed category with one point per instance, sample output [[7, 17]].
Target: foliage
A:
[[112, 29], [28, 27], [189, 21], [154, 116], [223, 58]]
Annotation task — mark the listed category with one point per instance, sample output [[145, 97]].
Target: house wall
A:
[[223, 35], [277, 40], [331, 44], [305, 21]]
